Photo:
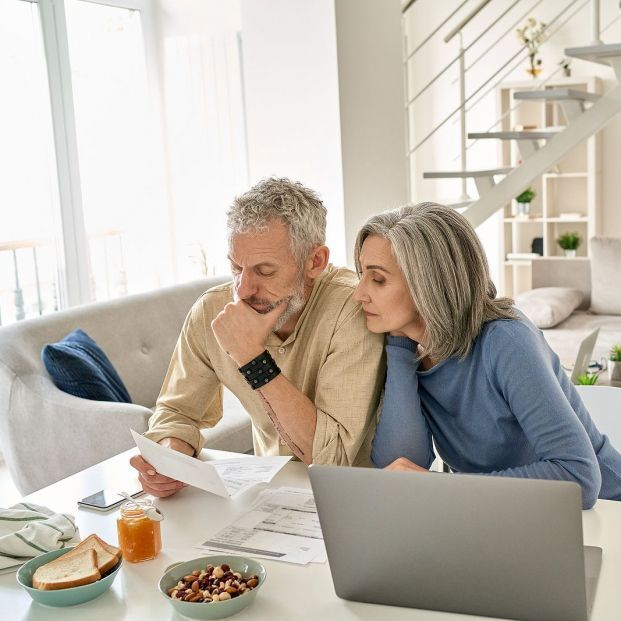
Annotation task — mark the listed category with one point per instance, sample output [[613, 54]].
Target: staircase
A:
[[582, 123], [586, 113]]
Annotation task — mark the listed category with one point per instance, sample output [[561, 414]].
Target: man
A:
[[286, 337]]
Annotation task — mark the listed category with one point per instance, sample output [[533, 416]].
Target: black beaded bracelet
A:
[[260, 370]]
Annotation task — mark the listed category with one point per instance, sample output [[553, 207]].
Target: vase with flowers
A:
[[532, 35]]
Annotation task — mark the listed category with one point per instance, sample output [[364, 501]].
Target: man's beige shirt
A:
[[330, 356]]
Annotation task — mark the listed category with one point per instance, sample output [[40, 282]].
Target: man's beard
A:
[[295, 302]]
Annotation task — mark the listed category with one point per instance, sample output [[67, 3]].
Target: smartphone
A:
[[105, 500]]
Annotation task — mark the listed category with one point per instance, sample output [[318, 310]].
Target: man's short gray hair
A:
[[446, 272], [290, 202]]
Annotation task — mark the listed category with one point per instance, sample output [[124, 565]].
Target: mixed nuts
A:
[[213, 584]]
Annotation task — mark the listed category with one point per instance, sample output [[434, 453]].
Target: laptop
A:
[[585, 351], [472, 544]]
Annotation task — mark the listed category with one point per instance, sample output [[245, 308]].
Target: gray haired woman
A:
[[465, 369]]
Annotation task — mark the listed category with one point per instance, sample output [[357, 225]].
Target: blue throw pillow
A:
[[79, 367]]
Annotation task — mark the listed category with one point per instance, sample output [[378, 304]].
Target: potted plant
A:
[[565, 64], [614, 364], [569, 242], [532, 35], [587, 379], [523, 201]]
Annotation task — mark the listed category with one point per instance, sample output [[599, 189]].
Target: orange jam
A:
[[140, 538]]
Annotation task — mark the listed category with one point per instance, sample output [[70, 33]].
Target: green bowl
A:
[[212, 610], [62, 597]]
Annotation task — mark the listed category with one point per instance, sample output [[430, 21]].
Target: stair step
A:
[[516, 135], [462, 174], [601, 54], [557, 94]]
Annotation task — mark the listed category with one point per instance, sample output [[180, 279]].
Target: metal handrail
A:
[[407, 5], [418, 47], [504, 34], [472, 43], [542, 83], [518, 53], [464, 22]]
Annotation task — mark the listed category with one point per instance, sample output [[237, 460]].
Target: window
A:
[[117, 169], [28, 192], [119, 149]]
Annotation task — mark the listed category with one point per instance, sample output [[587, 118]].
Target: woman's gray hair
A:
[[292, 203], [446, 272]]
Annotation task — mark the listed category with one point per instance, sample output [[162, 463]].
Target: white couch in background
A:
[[598, 279], [47, 434]]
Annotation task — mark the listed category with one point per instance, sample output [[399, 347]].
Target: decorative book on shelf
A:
[[526, 256]]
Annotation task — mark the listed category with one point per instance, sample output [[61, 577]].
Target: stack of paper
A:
[[224, 477], [282, 525]]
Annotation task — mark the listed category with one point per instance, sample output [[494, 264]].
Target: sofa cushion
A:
[[79, 367], [605, 263], [565, 338], [548, 306]]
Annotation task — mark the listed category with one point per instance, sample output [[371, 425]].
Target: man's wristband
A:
[[260, 370]]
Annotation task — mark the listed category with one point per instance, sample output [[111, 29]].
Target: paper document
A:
[[282, 525], [224, 477]]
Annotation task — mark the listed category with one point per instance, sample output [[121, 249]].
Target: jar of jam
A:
[[139, 531]]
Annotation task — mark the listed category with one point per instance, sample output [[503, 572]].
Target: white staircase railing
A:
[[552, 28], [582, 123], [458, 30], [576, 132]]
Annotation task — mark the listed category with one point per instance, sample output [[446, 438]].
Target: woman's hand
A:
[[403, 464]]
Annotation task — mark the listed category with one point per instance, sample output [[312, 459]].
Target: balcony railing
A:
[[28, 274]]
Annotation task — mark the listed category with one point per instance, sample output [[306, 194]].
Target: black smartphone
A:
[[105, 500]]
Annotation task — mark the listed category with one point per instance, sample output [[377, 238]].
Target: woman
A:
[[465, 369]]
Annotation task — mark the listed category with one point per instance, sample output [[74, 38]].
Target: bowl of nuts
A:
[[212, 587]]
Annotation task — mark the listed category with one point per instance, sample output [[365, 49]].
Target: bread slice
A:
[[107, 556], [112, 549], [68, 570]]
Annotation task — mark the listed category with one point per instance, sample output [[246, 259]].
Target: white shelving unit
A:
[[567, 196]]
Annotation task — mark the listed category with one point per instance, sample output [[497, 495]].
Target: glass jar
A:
[[140, 537]]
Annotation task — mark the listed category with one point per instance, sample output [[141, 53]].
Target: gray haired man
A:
[[286, 337]]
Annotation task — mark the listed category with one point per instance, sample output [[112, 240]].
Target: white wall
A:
[[324, 95], [292, 100], [373, 139]]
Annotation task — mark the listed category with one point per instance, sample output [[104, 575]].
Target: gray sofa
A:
[[564, 338], [47, 434]]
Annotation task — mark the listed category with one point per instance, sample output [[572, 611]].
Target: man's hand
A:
[[157, 484], [403, 464], [241, 332]]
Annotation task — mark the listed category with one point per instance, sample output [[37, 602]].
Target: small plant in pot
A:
[[523, 200], [614, 364], [587, 379], [569, 242]]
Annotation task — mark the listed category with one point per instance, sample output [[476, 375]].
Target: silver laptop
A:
[[491, 546], [585, 351]]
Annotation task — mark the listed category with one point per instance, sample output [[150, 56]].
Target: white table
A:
[[290, 591]]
